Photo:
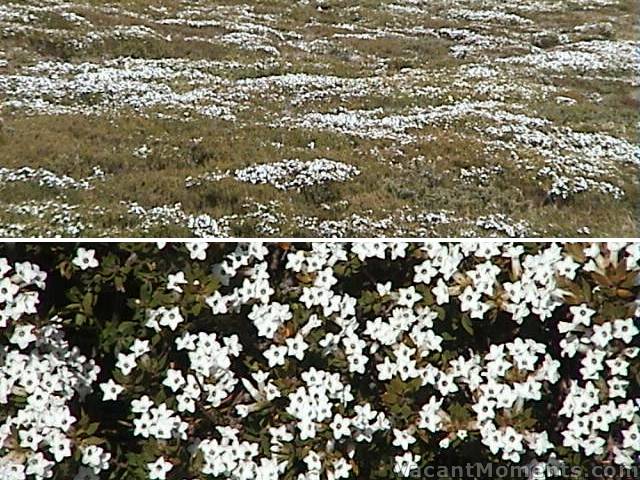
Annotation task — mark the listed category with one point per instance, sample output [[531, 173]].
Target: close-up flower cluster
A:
[[327, 360]]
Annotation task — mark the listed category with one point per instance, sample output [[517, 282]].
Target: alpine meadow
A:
[[318, 118]]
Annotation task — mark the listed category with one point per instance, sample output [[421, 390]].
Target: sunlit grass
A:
[[359, 56]]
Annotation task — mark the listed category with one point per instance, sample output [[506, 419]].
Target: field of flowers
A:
[[324, 360], [319, 118]]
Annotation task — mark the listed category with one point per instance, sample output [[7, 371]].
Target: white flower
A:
[[484, 409], [95, 458], [85, 259], [341, 469], [357, 363], [59, 446], [441, 292], [340, 426], [296, 346], [30, 439], [617, 388], [594, 445], [539, 443], [569, 346], [402, 438], [631, 438], [142, 405], [175, 381], [276, 355], [602, 335], [618, 366], [197, 250], [23, 336], [383, 289], [582, 314], [171, 318], [217, 303], [387, 369], [158, 470], [175, 280], [4, 266], [407, 297], [430, 415], [406, 464], [425, 272], [307, 429], [140, 347], [592, 364], [446, 385], [110, 390], [625, 330], [126, 363], [8, 289], [469, 300], [39, 466]]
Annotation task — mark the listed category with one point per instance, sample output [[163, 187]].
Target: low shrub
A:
[[323, 360]]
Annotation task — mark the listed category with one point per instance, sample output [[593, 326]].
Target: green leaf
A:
[[467, 325], [80, 319], [87, 303], [92, 428]]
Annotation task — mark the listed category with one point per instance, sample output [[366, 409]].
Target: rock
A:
[[545, 39]]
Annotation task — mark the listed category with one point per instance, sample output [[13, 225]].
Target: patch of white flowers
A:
[[201, 225], [41, 375], [49, 179], [286, 174], [289, 343]]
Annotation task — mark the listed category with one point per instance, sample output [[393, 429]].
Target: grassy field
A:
[[319, 118]]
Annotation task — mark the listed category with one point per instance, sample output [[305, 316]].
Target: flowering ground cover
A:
[[319, 118], [324, 360]]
